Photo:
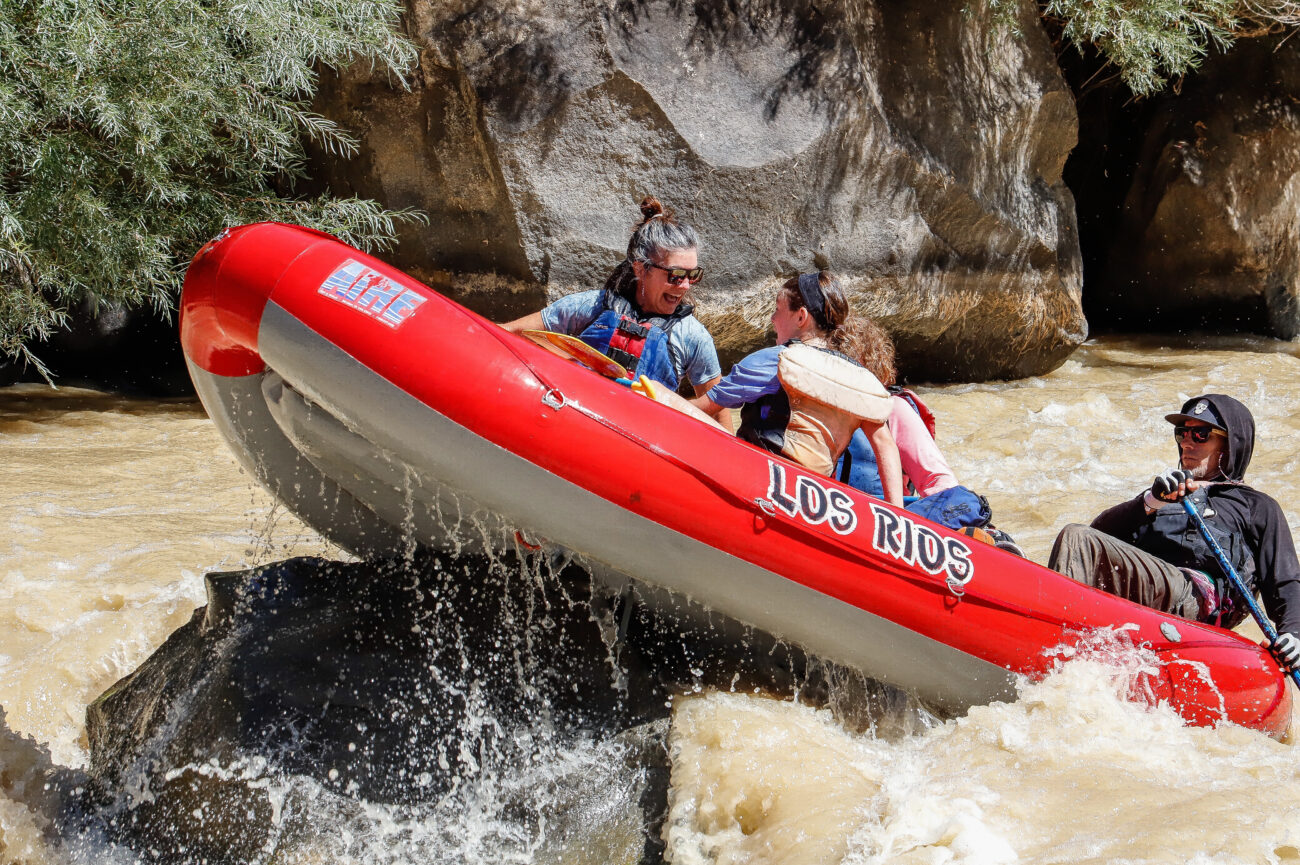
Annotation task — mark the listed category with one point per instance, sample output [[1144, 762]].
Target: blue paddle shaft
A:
[[1260, 619]]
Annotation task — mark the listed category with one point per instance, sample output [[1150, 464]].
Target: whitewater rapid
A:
[[116, 508]]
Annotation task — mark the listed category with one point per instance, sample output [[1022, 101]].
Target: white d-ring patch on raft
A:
[[830, 380]]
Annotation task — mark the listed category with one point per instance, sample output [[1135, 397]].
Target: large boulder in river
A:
[[308, 691], [316, 710], [908, 146], [1209, 236]]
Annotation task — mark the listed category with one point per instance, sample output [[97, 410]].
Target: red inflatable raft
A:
[[381, 412]]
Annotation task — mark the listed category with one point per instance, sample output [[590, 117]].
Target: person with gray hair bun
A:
[[641, 317]]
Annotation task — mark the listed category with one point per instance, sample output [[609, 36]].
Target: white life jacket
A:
[[830, 396]]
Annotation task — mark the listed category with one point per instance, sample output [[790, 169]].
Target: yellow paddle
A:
[[646, 387]]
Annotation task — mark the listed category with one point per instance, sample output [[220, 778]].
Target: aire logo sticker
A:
[[368, 291]]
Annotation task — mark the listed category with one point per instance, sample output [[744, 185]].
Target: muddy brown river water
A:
[[115, 508]]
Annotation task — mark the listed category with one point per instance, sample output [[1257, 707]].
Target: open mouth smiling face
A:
[[657, 291]]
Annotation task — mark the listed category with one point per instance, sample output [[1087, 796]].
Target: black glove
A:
[[1165, 486], [1286, 648]]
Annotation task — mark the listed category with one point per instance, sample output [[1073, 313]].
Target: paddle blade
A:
[[575, 349]]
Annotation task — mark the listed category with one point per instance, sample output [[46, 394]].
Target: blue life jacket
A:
[[857, 465], [763, 421], [638, 342]]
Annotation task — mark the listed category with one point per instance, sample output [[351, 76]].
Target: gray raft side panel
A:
[[240, 413], [391, 435], [426, 511]]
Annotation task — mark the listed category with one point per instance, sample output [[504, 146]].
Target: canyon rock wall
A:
[[1207, 237], [902, 145]]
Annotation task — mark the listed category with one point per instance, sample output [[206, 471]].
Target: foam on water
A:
[[1070, 772]]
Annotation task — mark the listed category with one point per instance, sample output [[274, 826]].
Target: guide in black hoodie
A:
[[1163, 562]]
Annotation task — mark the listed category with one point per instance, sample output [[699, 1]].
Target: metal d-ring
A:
[[553, 399], [958, 585]]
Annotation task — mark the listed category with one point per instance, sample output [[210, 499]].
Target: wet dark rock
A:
[[309, 693], [384, 682], [1207, 236], [341, 670], [50, 795], [891, 141]]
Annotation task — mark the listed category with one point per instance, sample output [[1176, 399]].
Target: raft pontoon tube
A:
[[383, 413]]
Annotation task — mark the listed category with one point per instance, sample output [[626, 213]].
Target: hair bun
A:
[[650, 208]]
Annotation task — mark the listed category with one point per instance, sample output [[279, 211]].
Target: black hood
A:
[[1240, 426]]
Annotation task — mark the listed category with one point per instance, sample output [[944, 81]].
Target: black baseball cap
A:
[[1198, 408]]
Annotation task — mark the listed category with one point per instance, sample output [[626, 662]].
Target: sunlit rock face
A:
[[904, 145], [1208, 236]]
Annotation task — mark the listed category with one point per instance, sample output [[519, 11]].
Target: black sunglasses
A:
[[1198, 434], [677, 274]]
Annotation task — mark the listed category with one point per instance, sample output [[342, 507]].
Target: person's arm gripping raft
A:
[[887, 460]]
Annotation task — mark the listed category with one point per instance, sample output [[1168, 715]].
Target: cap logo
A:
[[1201, 407]]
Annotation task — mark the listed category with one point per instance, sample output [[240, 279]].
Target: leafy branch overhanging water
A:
[[132, 132]]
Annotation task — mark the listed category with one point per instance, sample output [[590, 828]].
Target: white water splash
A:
[[1071, 772]]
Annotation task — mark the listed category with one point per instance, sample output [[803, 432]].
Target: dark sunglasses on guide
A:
[[1198, 434], [677, 274]]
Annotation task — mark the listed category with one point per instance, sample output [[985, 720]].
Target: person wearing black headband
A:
[[805, 404], [1149, 551], [814, 299]]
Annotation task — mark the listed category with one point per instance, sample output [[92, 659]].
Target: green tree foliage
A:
[[1149, 40], [132, 131], [1152, 41]]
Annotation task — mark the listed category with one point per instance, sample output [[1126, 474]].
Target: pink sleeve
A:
[[922, 461]]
